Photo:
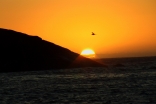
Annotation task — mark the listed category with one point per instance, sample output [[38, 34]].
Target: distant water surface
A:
[[111, 85]]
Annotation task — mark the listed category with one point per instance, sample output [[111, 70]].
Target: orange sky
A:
[[124, 28]]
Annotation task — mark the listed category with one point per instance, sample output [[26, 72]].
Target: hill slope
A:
[[21, 52]]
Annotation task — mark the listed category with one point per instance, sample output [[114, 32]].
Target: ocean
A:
[[123, 81]]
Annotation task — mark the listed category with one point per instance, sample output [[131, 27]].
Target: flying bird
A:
[[93, 33]]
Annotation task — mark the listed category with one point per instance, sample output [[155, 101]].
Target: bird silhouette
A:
[[93, 33]]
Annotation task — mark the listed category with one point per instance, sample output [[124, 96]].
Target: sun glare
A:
[[88, 53]]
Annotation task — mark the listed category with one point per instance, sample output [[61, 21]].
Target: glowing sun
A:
[[88, 53]]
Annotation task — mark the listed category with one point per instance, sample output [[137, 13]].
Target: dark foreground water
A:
[[112, 85]]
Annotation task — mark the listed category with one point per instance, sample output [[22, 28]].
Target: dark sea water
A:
[[124, 81]]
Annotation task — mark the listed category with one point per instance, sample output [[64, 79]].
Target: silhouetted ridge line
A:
[[22, 52]]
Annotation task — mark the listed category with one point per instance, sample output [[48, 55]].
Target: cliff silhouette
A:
[[22, 52]]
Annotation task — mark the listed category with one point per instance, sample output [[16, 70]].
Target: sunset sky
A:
[[123, 28]]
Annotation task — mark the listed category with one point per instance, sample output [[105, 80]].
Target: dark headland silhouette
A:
[[22, 52]]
